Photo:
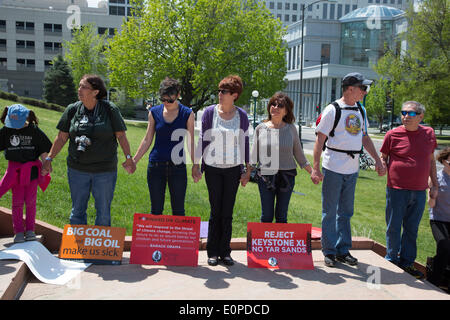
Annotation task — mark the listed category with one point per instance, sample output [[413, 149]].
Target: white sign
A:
[[46, 267]]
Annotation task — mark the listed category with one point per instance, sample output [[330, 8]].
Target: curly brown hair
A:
[[282, 99], [443, 154]]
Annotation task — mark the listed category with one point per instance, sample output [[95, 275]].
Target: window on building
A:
[[279, 5], [370, 1], [339, 11], [287, 6], [294, 7], [286, 18], [2, 24], [116, 11], [332, 7], [2, 43], [399, 1], [324, 11], [23, 25], [20, 44], [47, 64], [3, 62], [354, 7], [272, 5], [325, 52], [384, 1], [294, 18], [279, 16], [347, 8]]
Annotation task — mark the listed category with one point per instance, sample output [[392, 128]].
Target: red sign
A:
[[165, 240], [279, 246]]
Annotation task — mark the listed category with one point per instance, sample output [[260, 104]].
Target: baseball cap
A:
[[16, 117], [355, 78]]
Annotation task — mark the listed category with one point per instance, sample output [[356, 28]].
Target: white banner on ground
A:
[[46, 267]]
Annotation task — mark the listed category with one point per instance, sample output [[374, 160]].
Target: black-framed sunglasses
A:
[[167, 100], [223, 91], [409, 113], [363, 87], [279, 106]]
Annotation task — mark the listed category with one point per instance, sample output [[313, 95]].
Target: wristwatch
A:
[[48, 159], [128, 156]]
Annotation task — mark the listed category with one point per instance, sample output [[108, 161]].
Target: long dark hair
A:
[[32, 119]]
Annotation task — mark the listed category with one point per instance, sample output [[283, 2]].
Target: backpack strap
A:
[[337, 117]]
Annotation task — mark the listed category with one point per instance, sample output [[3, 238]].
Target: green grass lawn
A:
[[131, 195]]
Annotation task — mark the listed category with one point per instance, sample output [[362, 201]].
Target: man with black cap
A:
[[343, 142]]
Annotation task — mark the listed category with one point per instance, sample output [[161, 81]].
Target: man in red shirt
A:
[[408, 153]]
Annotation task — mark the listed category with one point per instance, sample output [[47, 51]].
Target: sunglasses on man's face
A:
[[409, 113], [364, 88], [167, 100], [223, 91]]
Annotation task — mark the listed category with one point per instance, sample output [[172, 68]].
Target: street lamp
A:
[[300, 106], [255, 95]]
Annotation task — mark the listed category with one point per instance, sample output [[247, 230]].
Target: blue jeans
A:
[[159, 174], [338, 195], [101, 185], [268, 207], [403, 208]]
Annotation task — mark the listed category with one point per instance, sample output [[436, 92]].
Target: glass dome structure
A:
[[365, 32]]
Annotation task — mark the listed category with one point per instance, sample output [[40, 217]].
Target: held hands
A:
[[196, 174], [316, 176], [129, 165], [46, 167], [245, 178], [380, 167]]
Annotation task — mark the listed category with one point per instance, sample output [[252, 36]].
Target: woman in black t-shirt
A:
[[23, 143], [94, 127]]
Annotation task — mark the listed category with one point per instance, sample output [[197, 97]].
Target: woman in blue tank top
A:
[[169, 123]]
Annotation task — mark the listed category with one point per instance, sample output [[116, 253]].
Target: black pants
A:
[[441, 233], [222, 188]]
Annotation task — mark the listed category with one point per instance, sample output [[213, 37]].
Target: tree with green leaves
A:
[[58, 83], [198, 42], [375, 102], [85, 53], [422, 71]]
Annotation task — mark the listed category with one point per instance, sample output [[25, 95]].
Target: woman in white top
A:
[[225, 150]]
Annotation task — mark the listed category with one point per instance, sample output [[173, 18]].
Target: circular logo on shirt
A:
[[353, 124], [14, 140]]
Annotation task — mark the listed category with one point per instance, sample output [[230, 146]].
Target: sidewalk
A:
[[373, 279]]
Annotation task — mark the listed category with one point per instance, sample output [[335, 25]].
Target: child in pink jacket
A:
[[23, 143]]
